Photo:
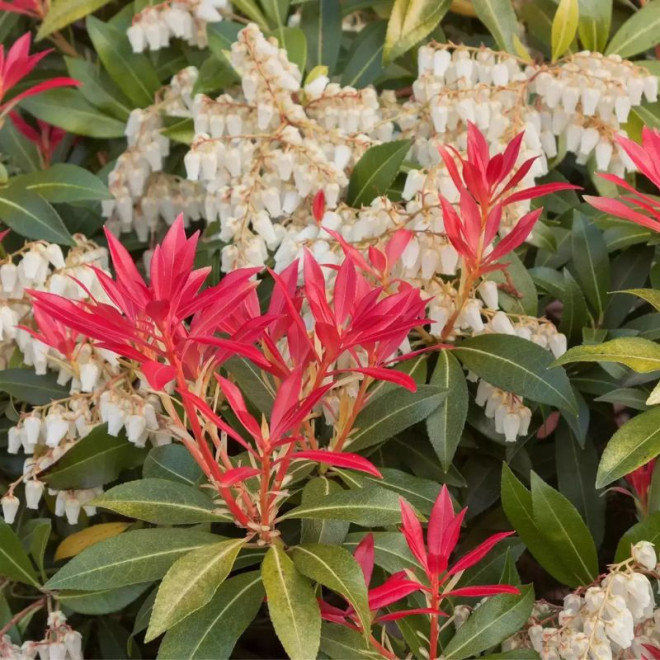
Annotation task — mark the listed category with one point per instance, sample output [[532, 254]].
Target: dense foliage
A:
[[329, 329]]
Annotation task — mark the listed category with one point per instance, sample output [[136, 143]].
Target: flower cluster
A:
[[60, 642], [154, 26], [615, 618], [586, 98], [142, 192]]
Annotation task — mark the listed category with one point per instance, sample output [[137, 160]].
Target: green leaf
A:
[[213, 631], [391, 551], [421, 493], [64, 12], [330, 532], [276, 11], [591, 264], [639, 354], [564, 27], [639, 33], [645, 530], [364, 61], [190, 584], [172, 462], [31, 216], [143, 555], [159, 501], [292, 605], [34, 535], [96, 459], [498, 16], [133, 73], [594, 24], [67, 108], [97, 87], [565, 530], [335, 568], [374, 172], [392, 413], [321, 23], [368, 507], [651, 296], [445, 424], [27, 386], [633, 445], [495, 620], [517, 505], [576, 476], [339, 643], [255, 383], [14, 561], [101, 601], [411, 21], [64, 182], [574, 314], [519, 366], [18, 148], [293, 40]]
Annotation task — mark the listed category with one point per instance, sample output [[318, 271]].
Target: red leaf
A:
[[481, 591], [401, 614], [238, 475], [382, 373], [412, 530], [395, 588], [339, 459], [364, 555], [472, 557], [158, 374], [442, 515], [318, 206]]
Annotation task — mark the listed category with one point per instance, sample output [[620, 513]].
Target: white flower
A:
[[9, 508], [644, 554]]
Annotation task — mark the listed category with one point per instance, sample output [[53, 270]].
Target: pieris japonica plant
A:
[[329, 330]]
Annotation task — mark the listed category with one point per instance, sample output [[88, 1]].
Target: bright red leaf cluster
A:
[[637, 207]]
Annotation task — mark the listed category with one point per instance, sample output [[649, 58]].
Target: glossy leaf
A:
[[410, 21], [633, 445], [335, 568], [321, 22], [445, 424], [564, 528], [498, 16], [364, 60], [495, 620], [639, 354], [292, 605], [25, 385], [190, 584], [172, 462], [14, 561], [393, 412], [375, 171], [68, 109], [639, 33], [594, 24], [64, 12], [519, 366], [213, 630], [326, 531], [159, 501], [93, 461], [62, 183], [131, 72], [30, 215], [564, 27], [367, 506], [143, 555]]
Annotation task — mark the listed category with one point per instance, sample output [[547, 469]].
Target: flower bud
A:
[[644, 554]]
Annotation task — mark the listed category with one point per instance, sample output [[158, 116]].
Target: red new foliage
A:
[[16, 65], [433, 557], [46, 138], [637, 207], [32, 8], [486, 185]]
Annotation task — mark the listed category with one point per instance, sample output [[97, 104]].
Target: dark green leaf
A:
[[159, 501], [14, 561], [639, 33], [172, 462], [330, 532], [143, 555], [96, 459], [321, 22], [26, 385], [212, 631], [101, 601], [364, 61], [30, 215], [63, 182], [646, 530], [519, 366]]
